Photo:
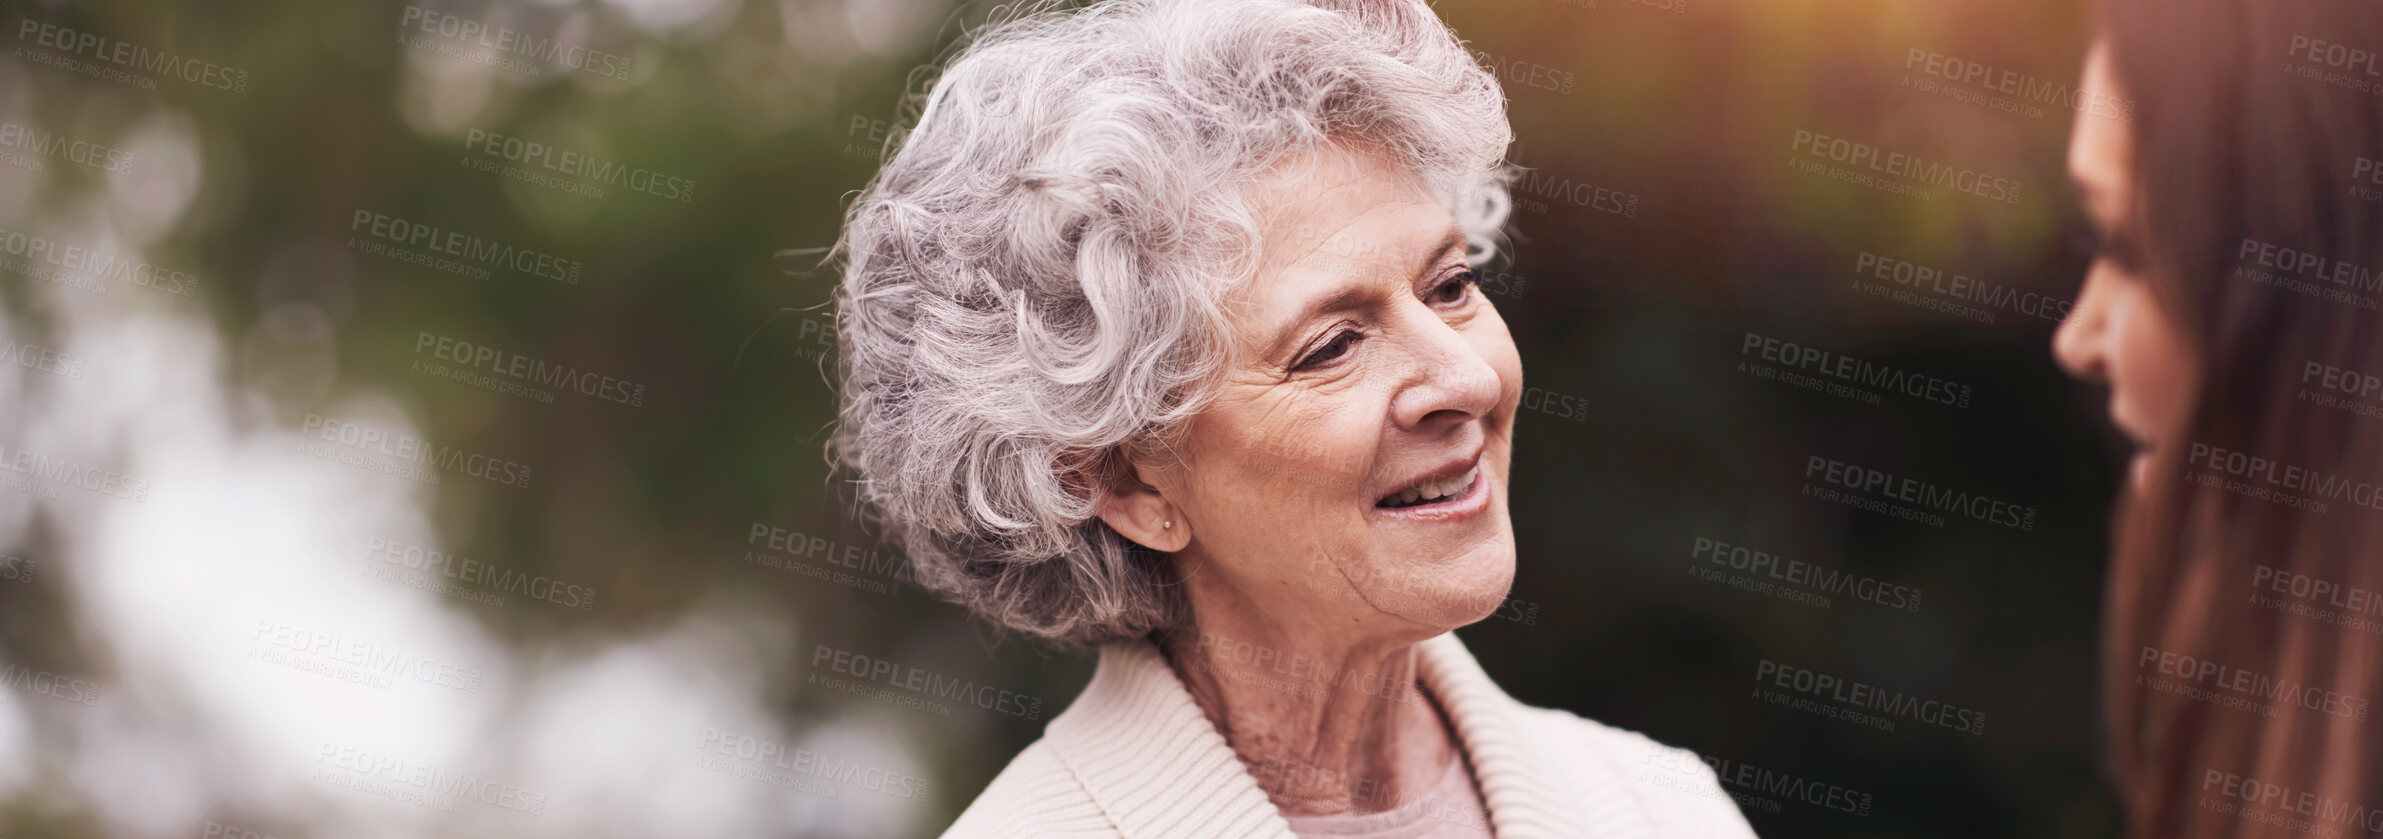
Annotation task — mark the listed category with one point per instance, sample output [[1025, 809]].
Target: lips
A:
[[1450, 481]]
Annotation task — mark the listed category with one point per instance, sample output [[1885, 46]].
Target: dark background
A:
[[1631, 323]]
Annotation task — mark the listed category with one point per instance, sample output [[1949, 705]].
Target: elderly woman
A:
[[1159, 334]]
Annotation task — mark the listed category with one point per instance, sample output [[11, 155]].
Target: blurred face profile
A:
[[1351, 473], [2119, 333]]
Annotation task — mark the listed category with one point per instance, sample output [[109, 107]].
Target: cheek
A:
[[1274, 449], [2154, 368]]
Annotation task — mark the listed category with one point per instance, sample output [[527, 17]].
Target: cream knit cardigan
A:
[[1134, 757]]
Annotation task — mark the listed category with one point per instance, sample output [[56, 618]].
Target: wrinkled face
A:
[[2118, 333], [1351, 473]]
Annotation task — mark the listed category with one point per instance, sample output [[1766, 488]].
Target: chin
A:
[[1456, 591]]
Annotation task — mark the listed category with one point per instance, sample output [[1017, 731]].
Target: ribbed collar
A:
[[1153, 762]]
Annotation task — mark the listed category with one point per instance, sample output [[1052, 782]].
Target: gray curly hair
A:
[[1034, 281]]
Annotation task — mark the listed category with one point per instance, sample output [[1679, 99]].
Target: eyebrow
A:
[[1349, 297], [1455, 236]]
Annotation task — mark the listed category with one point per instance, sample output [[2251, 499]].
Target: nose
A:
[[2080, 345], [1449, 380]]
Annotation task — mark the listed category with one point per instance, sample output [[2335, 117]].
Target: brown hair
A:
[[2235, 145]]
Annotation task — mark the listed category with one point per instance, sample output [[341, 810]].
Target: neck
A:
[[1326, 727]]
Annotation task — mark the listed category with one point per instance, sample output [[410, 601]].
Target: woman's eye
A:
[[2086, 240], [2093, 242], [1337, 347], [1456, 289]]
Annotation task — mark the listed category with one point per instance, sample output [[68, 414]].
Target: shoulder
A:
[[1034, 796], [1673, 786]]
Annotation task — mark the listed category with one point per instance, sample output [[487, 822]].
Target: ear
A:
[[1139, 511]]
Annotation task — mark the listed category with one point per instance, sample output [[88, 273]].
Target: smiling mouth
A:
[[1429, 492]]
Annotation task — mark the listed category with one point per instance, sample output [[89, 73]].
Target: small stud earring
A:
[[1170, 524]]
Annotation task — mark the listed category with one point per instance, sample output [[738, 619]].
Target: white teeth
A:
[[1435, 490]]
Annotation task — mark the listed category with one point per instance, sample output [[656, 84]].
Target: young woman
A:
[[2231, 308]]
